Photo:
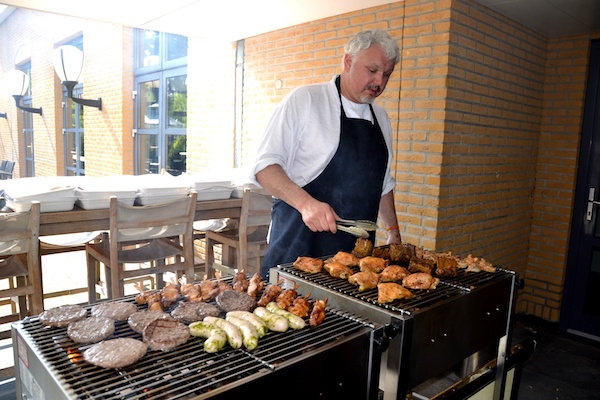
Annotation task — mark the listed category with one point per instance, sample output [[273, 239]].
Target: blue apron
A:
[[351, 184]]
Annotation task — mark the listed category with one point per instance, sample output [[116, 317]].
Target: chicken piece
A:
[[223, 286], [475, 264], [191, 292], [362, 247], [255, 286], [300, 306], [486, 265], [425, 254], [400, 254], [270, 294], [170, 293], [155, 306], [421, 265], [446, 266], [393, 273], [209, 289], [381, 252], [317, 315], [375, 264], [420, 280], [338, 270], [286, 297], [309, 264], [348, 259], [365, 280], [390, 291], [240, 282]]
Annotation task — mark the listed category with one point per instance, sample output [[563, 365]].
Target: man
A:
[[323, 162]]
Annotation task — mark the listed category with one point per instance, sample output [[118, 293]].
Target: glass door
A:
[[73, 135]]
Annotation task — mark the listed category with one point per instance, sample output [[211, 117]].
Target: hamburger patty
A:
[[91, 330], [115, 310], [63, 315], [192, 312], [231, 300], [140, 319], [115, 353], [165, 334]]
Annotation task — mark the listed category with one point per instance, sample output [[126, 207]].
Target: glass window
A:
[[176, 102], [176, 154], [149, 48], [176, 46], [148, 116]]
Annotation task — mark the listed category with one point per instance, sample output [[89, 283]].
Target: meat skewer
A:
[[223, 286], [256, 285], [300, 306], [240, 282], [317, 314], [270, 294], [286, 298]]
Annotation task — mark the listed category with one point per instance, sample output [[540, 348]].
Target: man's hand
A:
[[318, 216]]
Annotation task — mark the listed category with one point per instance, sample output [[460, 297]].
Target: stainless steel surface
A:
[[429, 333], [50, 365]]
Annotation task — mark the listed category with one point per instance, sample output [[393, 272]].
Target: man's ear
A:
[[347, 61]]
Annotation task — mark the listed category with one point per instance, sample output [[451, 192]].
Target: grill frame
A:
[[480, 300], [43, 364]]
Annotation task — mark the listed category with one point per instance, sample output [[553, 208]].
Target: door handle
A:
[[591, 202]]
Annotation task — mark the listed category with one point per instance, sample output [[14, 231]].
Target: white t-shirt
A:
[[303, 133]]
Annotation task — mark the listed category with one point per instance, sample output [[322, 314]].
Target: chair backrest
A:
[[9, 167], [19, 231], [256, 210], [3, 165], [132, 223]]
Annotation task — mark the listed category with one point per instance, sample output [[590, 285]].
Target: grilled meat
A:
[[115, 353], [240, 282], [401, 254], [365, 280], [165, 334], [91, 330], [286, 297], [317, 315], [381, 252], [308, 264], [231, 300], [338, 270], [375, 264], [191, 292], [420, 280], [270, 294], [170, 294], [209, 289], [446, 266], [118, 311], [300, 306], [255, 286], [393, 273], [62, 316], [362, 247], [421, 265], [140, 319], [390, 291], [347, 259], [475, 264], [223, 286], [192, 312]]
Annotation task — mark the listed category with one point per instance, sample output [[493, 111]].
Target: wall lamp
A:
[[68, 63], [18, 83], [3, 115]]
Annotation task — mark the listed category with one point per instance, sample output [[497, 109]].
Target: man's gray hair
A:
[[364, 40]]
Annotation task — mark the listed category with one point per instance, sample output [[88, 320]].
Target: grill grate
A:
[[183, 373], [463, 283]]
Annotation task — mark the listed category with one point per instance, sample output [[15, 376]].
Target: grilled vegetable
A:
[[274, 322], [234, 335], [249, 332], [215, 336], [259, 324], [295, 321]]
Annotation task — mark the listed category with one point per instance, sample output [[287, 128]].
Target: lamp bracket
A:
[[27, 109], [84, 102]]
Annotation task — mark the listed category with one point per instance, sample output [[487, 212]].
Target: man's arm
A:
[[317, 215], [387, 213]]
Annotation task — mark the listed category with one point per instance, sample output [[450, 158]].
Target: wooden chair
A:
[[141, 234], [249, 241], [19, 260]]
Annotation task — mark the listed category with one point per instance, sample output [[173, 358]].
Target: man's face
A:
[[367, 74]]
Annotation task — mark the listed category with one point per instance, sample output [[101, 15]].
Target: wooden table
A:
[[79, 220]]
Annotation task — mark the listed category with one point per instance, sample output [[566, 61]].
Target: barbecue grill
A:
[[334, 360], [432, 332]]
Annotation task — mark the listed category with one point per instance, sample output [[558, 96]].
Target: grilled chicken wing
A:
[[240, 282], [255, 285], [375, 264], [309, 264], [393, 273], [390, 291], [420, 280], [338, 270], [300, 306], [209, 289], [347, 259], [191, 292], [270, 294], [317, 315], [365, 280]]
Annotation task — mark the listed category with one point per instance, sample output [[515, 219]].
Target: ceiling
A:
[[238, 19]]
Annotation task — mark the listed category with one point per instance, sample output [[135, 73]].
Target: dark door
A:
[[580, 313]]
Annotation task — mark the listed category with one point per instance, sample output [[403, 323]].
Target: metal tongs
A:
[[358, 228]]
